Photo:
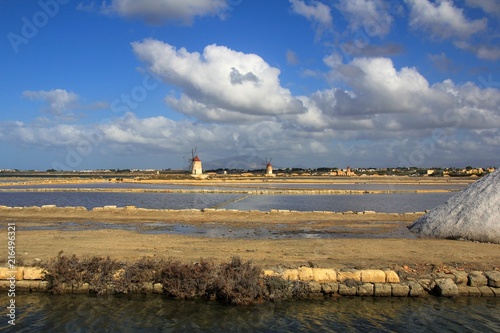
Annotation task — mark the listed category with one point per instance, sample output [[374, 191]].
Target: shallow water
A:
[[224, 231], [99, 199], [253, 186], [155, 313], [390, 203], [387, 203]]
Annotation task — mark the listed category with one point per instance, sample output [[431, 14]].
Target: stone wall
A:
[[137, 210], [384, 283], [320, 281]]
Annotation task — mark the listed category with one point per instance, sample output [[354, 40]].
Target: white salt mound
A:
[[473, 214]]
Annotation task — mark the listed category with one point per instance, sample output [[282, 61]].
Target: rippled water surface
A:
[[399, 203], [155, 313], [253, 186]]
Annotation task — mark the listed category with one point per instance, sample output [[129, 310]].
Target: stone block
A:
[[442, 275], [461, 277], [48, 206], [463, 290], [416, 289], [330, 288], [474, 291], [391, 277], [31, 285], [269, 272], [290, 274], [20, 273], [305, 273], [6, 273], [365, 289], [157, 288], [477, 279], [382, 290], [496, 291], [427, 284], [493, 278], [446, 288], [147, 287], [26, 285], [486, 291], [4, 285], [372, 276], [400, 290], [33, 273], [324, 275], [346, 290], [314, 287], [353, 275]]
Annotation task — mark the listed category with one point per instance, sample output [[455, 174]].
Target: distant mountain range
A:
[[248, 162]]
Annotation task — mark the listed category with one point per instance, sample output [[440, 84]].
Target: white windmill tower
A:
[[195, 163], [269, 167]]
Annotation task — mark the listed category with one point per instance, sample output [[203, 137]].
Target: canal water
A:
[[155, 313]]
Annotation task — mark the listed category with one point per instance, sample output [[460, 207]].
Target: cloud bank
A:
[[220, 84]]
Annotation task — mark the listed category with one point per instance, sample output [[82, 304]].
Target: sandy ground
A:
[[359, 249]]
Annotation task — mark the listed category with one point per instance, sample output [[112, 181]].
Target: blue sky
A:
[[138, 84]]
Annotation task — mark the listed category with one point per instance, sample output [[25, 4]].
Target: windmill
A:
[[269, 167], [195, 163]]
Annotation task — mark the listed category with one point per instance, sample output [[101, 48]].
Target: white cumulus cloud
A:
[[443, 20], [59, 100], [371, 15], [317, 12], [219, 84]]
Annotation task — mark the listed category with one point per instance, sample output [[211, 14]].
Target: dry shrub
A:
[[235, 282], [132, 278], [64, 272], [98, 273], [187, 280], [279, 289], [238, 283]]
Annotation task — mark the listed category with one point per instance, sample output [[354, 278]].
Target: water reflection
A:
[[154, 313], [279, 231], [397, 203]]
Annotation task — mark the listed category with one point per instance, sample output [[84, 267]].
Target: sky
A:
[[331, 83]]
